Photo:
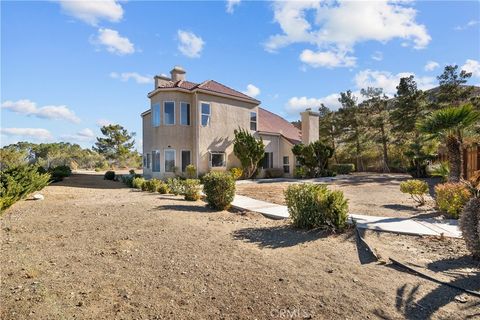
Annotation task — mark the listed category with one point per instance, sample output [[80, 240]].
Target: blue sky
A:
[[68, 67]]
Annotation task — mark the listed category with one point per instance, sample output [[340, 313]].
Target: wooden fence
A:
[[471, 160]]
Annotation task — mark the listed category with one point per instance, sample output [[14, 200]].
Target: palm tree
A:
[[451, 124]]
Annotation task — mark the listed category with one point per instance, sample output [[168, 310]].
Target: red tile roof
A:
[[209, 85], [271, 123]]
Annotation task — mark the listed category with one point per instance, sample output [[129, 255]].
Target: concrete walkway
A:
[[431, 227]]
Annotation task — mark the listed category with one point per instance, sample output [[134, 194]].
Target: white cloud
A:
[[388, 81], [251, 91], [231, 4], [472, 66], [103, 122], [377, 55], [30, 108], [469, 24], [84, 135], [327, 59], [138, 78], [431, 65], [92, 12], [113, 41], [336, 27], [298, 104], [190, 44], [31, 133]]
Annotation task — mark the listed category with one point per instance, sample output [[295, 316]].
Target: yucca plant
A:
[[451, 124]]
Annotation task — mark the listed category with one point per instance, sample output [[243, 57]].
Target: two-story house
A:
[[194, 123]]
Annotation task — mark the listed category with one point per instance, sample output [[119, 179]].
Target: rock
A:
[[38, 196]]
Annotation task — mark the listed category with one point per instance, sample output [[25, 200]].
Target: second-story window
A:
[[205, 114], [185, 113], [156, 115], [169, 112], [253, 121]]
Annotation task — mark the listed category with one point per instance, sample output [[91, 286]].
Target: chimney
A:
[[160, 81], [310, 126], [177, 73]]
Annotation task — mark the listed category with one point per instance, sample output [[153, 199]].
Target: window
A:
[[217, 159], [169, 112], [253, 121], [155, 161], [170, 160], [205, 114], [156, 115], [267, 161], [185, 159], [185, 113], [286, 164], [144, 161], [148, 160]]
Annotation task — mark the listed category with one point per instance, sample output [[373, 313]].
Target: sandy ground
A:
[[368, 194], [96, 250]]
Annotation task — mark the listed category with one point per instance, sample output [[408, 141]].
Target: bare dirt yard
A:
[[94, 249], [367, 194]]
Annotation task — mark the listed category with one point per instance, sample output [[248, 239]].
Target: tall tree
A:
[[328, 132], [351, 121], [249, 151], [377, 117], [117, 144], [452, 89], [451, 124]]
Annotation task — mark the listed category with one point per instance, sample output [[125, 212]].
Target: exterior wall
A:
[[286, 150], [226, 115]]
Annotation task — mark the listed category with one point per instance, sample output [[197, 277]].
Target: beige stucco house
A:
[[194, 123]]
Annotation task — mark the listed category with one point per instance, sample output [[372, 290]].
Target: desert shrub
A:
[[109, 175], [343, 168], [163, 188], [175, 185], [470, 226], [152, 185], [441, 170], [249, 151], [300, 173], [236, 173], [327, 173], [313, 157], [131, 171], [18, 182], [314, 206], [59, 172], [451, 197], [273, 173], [190, 171], [416, 189], [137, 183], [219, 188], [191, 189]]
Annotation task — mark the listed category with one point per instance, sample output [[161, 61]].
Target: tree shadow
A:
[[88, 181], [412, 307], [401, 207], [278, 237], [365, 254], [193, 208]]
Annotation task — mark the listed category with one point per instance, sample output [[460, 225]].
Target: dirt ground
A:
[[96, 250], [367, 194]]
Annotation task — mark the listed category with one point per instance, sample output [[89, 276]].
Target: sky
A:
[[69, 67]]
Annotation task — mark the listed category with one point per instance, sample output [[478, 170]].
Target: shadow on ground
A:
[[89, 181], [415, 307], [193, 208], [278, 237]]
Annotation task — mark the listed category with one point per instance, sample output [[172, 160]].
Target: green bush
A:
[[470, 226], [236, 173], [163, 188], [441, 170], [343, 168], [451, 197], [191, 189], [417, 189], [327, 173], [219, 188], [18, 182], [190, 171], [138, 183], [300, 173], [175, 185], [273, 173], [132, 172], [152, 185], [127, 179], [314, 206], [109, 175], [59, 172]]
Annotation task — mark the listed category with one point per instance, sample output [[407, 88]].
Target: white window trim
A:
[[181, 158], [201, 113], [174, 160], [159, 115], [210, 153], [256, 120], [180, 122], [174, 114]]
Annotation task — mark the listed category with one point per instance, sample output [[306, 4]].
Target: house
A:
[[194, 123]]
